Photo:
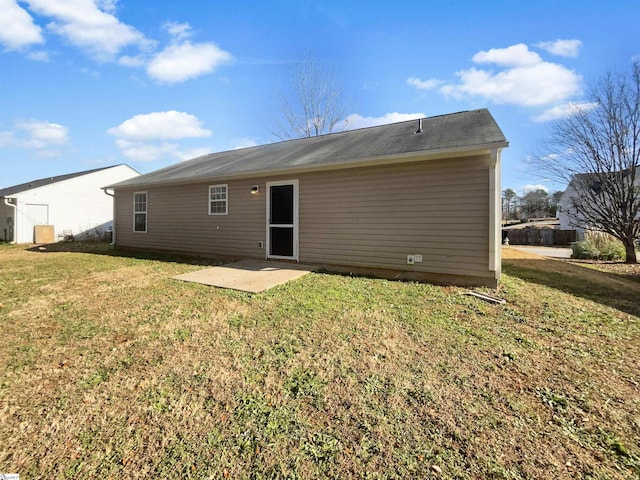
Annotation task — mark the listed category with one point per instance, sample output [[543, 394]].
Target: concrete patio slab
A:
[[252, 276]]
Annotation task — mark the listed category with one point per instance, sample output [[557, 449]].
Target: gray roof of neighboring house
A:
[[5, 192], [456, 131], [595, 180]]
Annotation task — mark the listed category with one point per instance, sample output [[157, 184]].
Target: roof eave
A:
[[409, 157]]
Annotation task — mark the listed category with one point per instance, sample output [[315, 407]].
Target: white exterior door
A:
[[282, 219], [34, 214]]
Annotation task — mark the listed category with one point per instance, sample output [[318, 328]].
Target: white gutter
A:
[[113, 214], [15, 218]]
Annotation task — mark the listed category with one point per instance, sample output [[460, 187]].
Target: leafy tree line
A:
[[533, 204]]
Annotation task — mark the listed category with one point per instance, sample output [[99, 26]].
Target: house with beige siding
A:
[[416, 200]]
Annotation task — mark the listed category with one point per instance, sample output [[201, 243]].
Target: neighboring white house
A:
[[74, 203], [567, 214]]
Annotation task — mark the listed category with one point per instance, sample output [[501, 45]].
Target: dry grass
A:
[[630, 271], [110, 369]]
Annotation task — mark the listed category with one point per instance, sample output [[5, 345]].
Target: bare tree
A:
[[596, 151], [315, 103]]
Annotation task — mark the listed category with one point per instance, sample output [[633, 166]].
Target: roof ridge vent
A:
[[419, 130]]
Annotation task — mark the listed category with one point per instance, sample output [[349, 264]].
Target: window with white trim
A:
[[140, 212], [218, 199]]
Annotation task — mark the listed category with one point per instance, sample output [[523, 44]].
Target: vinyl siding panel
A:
[[363, 217], [178, 220], [376, 217]]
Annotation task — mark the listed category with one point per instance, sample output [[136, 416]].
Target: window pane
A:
[[282, 204], [140, 222], [281, 241], [218, 199], [218, 193], [218, 207], [140, 202]]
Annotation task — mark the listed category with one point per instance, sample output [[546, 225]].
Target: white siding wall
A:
[[77, 204], [566, 215]]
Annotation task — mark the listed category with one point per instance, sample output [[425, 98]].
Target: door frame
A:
[[295, 220]]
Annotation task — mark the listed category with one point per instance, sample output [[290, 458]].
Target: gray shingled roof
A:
[[456, 131], [5, 192]]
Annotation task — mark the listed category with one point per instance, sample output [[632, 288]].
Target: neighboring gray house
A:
[[72, 203], [415, 200]]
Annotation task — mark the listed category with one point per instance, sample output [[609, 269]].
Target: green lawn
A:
[[108, 368]]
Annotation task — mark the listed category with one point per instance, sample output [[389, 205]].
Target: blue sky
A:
[[91, 83]]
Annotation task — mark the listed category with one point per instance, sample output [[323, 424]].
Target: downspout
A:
[[15, 218], [495, 214], [113, 214]]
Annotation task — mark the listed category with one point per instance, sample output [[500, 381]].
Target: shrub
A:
[[598, 246], [585, 250], [613, 250]]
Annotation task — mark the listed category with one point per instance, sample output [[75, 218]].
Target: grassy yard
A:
[[108, 368]]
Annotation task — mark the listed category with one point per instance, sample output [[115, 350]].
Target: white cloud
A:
[[43, 137], [17, 29], [245, 142], [144, 137], [525, 80], [563, 111], [90, 25], [146, 152], [355, 120], [533, 187], [6, 139], [514, 56], [539, 84], [179, 31], [182, 59], [132, 61], [180, 62], [39, 56], [41, 134], [424, 84], [192, 153], [562, 48], [160, 125], [108, 6]]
